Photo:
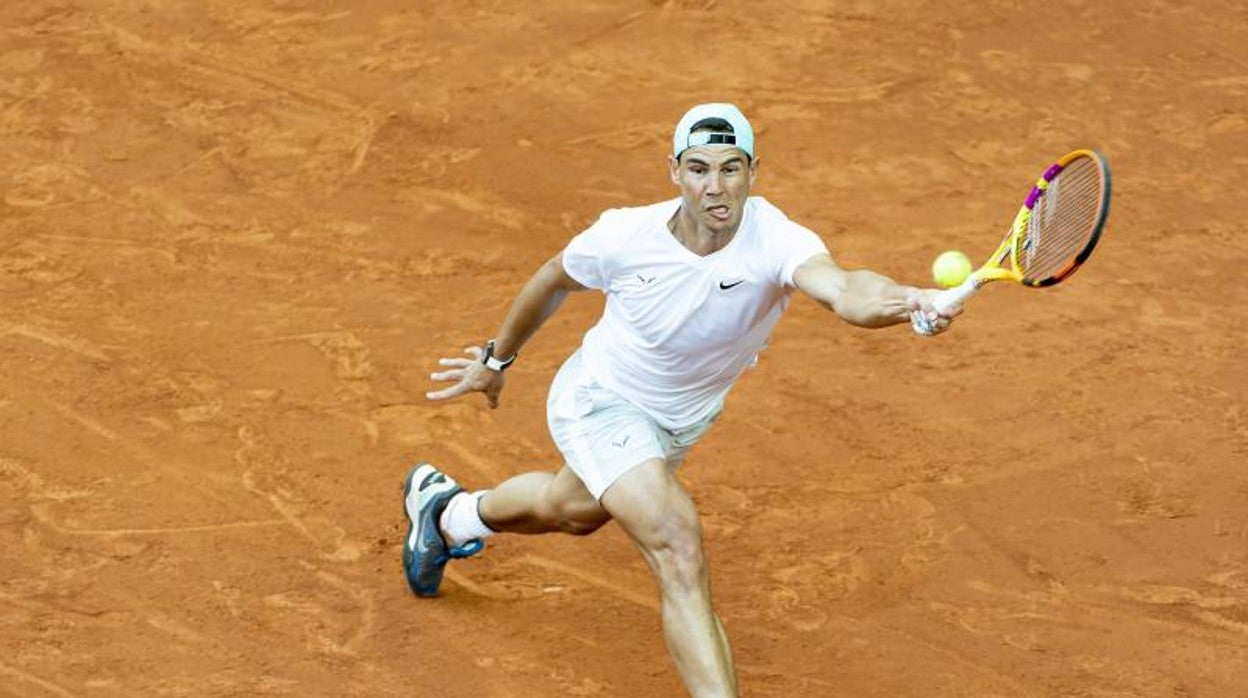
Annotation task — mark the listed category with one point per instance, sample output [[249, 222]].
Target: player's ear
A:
[[753, 170], [674, 165]]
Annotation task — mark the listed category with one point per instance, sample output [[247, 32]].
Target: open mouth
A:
[[719, 211]]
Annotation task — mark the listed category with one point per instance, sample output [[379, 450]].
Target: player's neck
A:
[[697, 238]]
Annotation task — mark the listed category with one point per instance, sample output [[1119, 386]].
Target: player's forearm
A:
[[537, 301], [869, 299]]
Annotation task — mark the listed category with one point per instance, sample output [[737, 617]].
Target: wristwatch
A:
[[494, 363]]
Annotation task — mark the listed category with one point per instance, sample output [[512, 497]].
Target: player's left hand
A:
[[923, 316]]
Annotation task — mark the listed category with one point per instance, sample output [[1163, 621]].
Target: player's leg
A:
[[653, 507], [446, 522], [542, 503]]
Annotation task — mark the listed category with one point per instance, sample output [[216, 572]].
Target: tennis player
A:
[[694, 287]]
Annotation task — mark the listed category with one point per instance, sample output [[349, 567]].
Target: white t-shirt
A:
[[679, 328]]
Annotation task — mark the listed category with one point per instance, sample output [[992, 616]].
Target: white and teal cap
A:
[[728, 127]]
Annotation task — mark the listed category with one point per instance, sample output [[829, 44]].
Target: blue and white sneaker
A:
[[426, 492]]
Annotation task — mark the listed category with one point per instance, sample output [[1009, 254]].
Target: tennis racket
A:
[[1053, 233]]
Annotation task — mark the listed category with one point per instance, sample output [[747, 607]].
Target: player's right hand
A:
[[924, 317], [470, 375]]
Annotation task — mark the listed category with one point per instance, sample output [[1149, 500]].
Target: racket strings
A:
[[1063, 220]]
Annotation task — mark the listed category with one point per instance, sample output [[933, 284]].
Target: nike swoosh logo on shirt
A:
[[726, 285]]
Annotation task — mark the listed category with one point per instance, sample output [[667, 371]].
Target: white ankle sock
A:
[[460, 521]]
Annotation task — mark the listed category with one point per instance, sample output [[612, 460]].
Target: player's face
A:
[[714, 183]]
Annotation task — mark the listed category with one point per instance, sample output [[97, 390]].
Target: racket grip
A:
[[953, 297]]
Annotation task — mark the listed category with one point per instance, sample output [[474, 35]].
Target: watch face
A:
[[492, 362]]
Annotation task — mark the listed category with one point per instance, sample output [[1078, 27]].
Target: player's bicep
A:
[[820, 278], [556, 274]]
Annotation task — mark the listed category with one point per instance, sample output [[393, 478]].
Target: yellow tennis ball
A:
[[951, 268]]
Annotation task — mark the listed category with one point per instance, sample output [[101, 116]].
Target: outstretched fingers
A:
[[448, 393], [470, 375], [459, 364]]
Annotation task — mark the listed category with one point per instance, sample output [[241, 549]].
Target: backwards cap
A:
[[740, 136]]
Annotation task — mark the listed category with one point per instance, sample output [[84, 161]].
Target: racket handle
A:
[[953, 297]]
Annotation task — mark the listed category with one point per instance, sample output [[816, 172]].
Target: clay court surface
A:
[[235, 237]]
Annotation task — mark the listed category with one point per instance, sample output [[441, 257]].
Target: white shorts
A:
[[602, 435]]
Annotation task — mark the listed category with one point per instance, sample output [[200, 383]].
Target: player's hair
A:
[[718, 125]]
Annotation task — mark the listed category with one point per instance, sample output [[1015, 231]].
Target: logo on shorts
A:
[[622, 442], [725, 285]]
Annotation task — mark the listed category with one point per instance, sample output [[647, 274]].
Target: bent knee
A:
[[579, 527], [575, 518], [678, 557]]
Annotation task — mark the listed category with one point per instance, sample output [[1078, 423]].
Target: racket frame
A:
[[1011, 247]]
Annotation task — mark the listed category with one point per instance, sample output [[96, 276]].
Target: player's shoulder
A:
[[763, 209], [769, 219], [618, 225], [618, 229], [632, 217]]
